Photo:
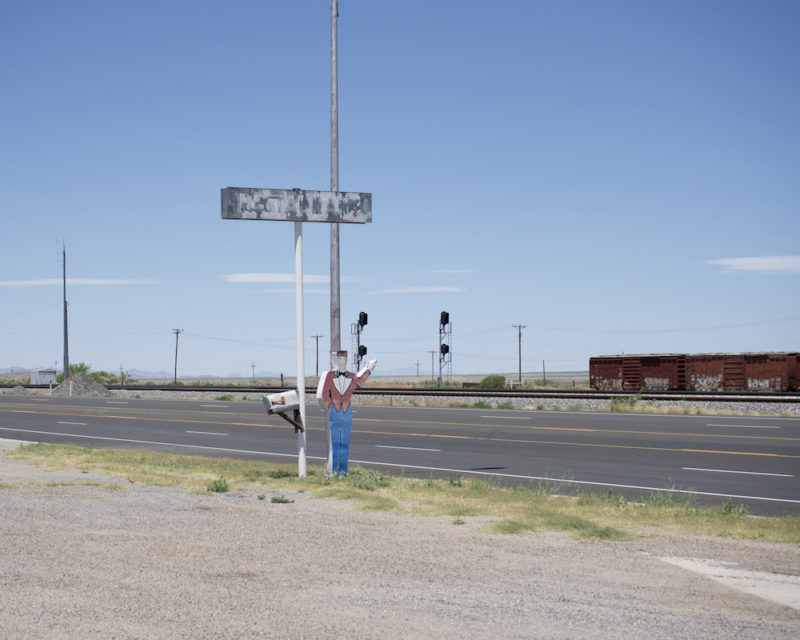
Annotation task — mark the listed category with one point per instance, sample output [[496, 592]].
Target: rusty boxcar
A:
[[697, 372]]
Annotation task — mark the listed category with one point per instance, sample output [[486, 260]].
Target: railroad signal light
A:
[[362, 350], [362, 319], [444, 349], [444, 318]]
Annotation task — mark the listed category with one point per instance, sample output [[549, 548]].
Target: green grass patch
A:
[[481, 404], [589, 515], [220, 485], [281, 500]]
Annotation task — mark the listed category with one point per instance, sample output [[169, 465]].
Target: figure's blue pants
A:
[[340, 423]]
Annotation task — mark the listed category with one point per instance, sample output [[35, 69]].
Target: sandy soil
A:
[[145, 562]]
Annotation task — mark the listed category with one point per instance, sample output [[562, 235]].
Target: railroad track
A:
[[585, 394]]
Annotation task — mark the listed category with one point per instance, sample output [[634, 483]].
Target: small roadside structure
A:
[[43, 376]]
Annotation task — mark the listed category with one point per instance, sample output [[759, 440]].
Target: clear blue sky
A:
[[619, 176]]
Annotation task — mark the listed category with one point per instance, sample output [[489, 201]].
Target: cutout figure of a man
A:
[[334, 393]]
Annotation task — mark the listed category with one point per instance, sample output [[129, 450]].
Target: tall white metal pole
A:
[[336, 331], [66, 331], [301, 374]]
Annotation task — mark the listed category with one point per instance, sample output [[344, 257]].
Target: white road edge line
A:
[[505, 417], [388, 446], [82, 424], [749, 473], [215, 406], [207, 433], [743, 426], [410, 466]]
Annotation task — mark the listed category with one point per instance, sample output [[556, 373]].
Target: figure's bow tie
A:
[[341, 373]]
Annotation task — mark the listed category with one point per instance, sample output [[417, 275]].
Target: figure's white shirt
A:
[[342, 383]]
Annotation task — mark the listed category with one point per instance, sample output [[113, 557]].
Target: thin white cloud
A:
[[305, 291], [94, 282], [761, 264], [452, 271], [280, 278], [429, 289]]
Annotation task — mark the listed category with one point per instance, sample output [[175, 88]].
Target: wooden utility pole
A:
[[177, 333], [519, 328], [317, 339]]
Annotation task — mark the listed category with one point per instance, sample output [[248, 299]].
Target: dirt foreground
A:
[[145, 562]]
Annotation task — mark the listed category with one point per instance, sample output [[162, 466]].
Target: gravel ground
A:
[[146, 562]]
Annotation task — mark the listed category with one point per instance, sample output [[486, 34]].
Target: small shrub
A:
[[225, 398], [625, 404], [281, 500], [368, 479], [220, 485], [660, 500], [261, 496], [492, 382], [730, 509], [281, 472]]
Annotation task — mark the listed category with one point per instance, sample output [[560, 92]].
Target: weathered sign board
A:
[[296, 205]]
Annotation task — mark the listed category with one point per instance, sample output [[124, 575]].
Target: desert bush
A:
[[493, 382]]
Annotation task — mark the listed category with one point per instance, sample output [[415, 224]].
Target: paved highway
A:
[[755, 461]]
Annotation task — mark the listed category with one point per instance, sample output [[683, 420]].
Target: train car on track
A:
[[696, 372]]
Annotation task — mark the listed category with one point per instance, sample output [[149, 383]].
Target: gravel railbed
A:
[[147, 562], [533, 404]]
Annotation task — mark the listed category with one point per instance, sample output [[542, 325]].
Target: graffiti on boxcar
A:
[[607, 385], [706, 383], [656, 384], [763, 384]]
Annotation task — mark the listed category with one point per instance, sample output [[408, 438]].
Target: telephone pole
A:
[[253, 365], [520, 327], [317, 339], [433, 375], [177, 333], [418, 363]]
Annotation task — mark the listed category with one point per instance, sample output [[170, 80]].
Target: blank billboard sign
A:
[[296, 205]]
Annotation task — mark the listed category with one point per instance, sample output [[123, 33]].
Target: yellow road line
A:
[[448, 424], [588, 430], [434, 435]]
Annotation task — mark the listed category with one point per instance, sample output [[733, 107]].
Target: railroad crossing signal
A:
[[361, 350], [445, 340]]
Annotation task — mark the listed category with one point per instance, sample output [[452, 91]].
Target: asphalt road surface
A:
[[754, 461]]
